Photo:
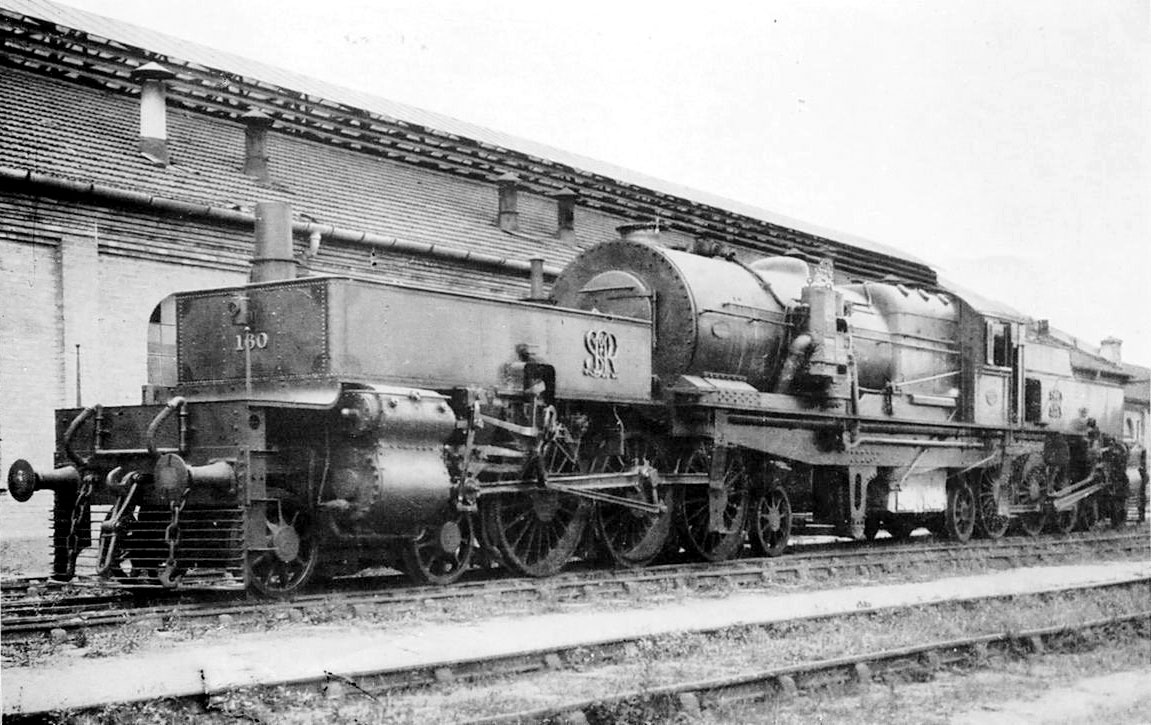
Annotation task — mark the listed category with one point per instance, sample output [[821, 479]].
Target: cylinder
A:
[[391, 478]]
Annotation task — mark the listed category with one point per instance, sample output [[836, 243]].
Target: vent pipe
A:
[[537, 279], [273, 259], [565, 213], [509, 216], [153, 111], [256, 125], [1112, 349]]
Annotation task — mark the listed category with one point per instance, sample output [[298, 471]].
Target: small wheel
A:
[[959, 518], [289, 563], [1031, 491], [440, 554], [993, 487], [770, 523], [630, 537], [536, 532], [694, 507]]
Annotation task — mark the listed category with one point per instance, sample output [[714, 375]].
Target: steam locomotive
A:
[[658, 400]]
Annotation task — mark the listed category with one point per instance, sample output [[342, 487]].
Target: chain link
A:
[[172, 536], [114, 526], [78, 509]]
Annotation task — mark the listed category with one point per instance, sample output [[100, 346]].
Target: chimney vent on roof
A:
[[509, 216], [1112, 349], [153, 111], [565, 213], [1043, 327], [256, 125]]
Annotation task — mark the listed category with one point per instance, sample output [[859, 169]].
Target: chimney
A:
[[509, 216], [1043, 327], [1111, 348], [565, 214], [273, 259], [640, 232], [256, 125], [153, 111]]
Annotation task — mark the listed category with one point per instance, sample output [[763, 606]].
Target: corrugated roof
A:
[[150, 40]]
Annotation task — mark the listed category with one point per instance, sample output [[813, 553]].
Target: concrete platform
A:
[[227, 660]]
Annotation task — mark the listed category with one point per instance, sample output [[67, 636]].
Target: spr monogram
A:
[[602, 347]]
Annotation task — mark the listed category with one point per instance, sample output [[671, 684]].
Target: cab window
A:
[[999, 344]]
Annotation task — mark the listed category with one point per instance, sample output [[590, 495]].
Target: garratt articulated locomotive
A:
[[660, 399]]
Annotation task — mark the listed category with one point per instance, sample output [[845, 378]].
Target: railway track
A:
[[922, 661], [27, 616]]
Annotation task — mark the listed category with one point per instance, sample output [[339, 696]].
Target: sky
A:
[[1008, 144]]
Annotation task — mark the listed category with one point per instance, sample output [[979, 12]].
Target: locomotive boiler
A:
[[660, 400]]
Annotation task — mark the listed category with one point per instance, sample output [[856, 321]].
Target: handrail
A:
[[154, 426], [71, 433]]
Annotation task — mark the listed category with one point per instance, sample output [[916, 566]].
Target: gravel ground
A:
[[1051, 689], [651, 662], [167, 631]]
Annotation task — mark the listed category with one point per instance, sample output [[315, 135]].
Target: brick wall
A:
[[67, 284], [30, 373]]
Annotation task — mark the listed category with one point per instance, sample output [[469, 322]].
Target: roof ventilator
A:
[[509, 216], [565, 214], [153, 111], [256, 125]]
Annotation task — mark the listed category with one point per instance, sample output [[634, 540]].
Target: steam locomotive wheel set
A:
[[657, 400]]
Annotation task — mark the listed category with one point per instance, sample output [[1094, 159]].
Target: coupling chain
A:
[[172, 538], [78, 509]]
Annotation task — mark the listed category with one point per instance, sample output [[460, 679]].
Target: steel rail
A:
[[859, 669], [823, 563]]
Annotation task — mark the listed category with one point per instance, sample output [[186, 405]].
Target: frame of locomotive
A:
[[658, 400]]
